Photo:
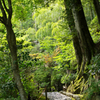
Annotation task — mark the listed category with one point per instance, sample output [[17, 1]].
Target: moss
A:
[[42, 98], [72, 98]]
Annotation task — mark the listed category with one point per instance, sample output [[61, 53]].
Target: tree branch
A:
[[4, 5], [1, 20], [10, 8], [3, 11]]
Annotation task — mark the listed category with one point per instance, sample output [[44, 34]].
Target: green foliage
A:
[[88, 10], [31, 33], [94, 67], [93, 90], [67, 53], [24, 9], [44, 31], [68, 78], [8, 88], [94, 26], [93, 82], [44, 19], [56, 78], [48, 44], [77, 85], [10, 98], [95, 30], [41, 75], [30, 85]]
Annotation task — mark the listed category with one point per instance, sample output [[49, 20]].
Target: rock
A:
[[69, 94], [75, 96], [57, 96]]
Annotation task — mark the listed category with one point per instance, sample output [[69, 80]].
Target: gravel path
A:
[[57, 96]]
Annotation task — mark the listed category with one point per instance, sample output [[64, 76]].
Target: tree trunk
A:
[[78, 52], [49, 80], [83, 43], [74, 33], [91, 12], [38, 87], [13, 49], [46, 93], [86, 42], [97, 8]]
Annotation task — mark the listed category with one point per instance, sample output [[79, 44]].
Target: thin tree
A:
[[5, 19]]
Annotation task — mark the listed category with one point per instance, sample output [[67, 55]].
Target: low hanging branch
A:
[[10, 9], [1, 19], [4, 18], [5, 12], [4, 5]]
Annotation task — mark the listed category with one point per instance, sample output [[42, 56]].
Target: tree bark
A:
[[83, 43], [13, 48], [74, 33], [46, 93], [78, 52], [86, 42], [97, 8]]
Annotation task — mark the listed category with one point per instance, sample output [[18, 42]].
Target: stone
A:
[[76, 97], [57, 96], [69, 94]]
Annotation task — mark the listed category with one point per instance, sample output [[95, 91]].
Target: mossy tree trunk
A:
[[74, 32], [83, 43], [86, 42]]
